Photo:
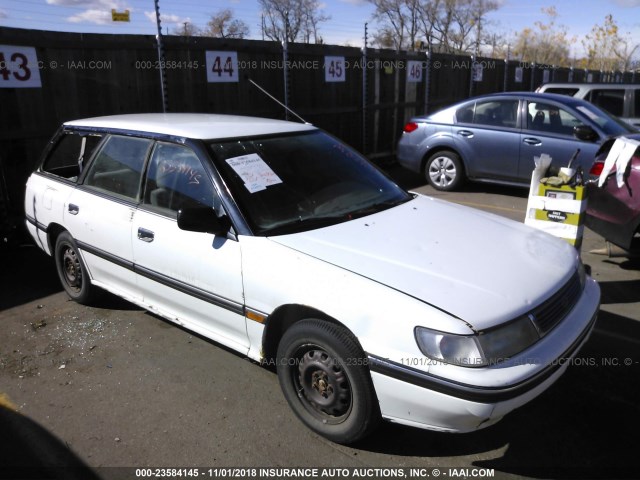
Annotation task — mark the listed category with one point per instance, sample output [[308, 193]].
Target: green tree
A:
[[606, 49], [546, 43]]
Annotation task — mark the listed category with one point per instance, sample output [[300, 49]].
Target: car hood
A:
[[479, 267]]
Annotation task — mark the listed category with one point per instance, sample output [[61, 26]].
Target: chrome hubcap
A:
[[442, 171]]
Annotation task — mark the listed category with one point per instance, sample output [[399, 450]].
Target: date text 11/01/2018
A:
[[313, 472]]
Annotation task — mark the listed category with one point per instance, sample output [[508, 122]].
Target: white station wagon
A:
[[278, 241]]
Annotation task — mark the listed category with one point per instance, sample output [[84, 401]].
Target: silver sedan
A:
[[495, 138]]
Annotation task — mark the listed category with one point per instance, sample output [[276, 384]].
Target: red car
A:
[[614, 212]]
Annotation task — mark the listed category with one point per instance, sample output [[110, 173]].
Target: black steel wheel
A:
[[71, 270], [324, 377]]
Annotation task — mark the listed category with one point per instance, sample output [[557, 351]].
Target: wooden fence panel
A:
[[85, 75]]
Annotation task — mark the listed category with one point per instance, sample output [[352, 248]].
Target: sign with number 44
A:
[[19, 67], [222, 67]]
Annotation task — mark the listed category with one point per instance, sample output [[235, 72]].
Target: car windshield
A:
[[611, 125], [293, 183]]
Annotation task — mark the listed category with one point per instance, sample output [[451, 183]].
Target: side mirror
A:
[[585, 133], [203, 219]]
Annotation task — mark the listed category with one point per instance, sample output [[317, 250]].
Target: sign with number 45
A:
[[334, 69], [19, 67]]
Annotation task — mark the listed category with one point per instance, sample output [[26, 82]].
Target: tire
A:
[[444, 171], [72, 270], [324, 377]]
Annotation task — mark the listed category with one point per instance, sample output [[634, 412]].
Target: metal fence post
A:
[[364, 91], [163, 85]]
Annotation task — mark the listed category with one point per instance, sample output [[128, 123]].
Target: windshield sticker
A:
[[255, 173]]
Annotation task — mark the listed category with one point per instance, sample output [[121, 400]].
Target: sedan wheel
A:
[[444, 171], [72, 271], [324, 377]]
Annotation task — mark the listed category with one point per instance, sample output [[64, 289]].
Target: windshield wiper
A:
[[378, 207], [308, 223]]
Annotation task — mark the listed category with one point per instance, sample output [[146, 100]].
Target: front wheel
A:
[[72, 271], [324, 377], [444, 171]]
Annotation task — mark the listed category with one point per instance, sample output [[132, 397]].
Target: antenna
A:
[[277, 101]]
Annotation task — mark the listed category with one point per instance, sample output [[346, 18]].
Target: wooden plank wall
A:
[[87, 75]]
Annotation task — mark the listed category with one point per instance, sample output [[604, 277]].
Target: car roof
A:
[[192, 125], [555, 97], [591, 85]]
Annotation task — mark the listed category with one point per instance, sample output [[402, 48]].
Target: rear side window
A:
[[495, 113], [611, 100], [562, 91], [117, 168], [68, 157]]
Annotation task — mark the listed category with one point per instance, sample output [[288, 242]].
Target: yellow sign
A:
[[119, 16]]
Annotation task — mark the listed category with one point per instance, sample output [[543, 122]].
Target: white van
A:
[[619, 99]]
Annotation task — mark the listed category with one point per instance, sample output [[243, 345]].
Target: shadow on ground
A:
[[27, 274]]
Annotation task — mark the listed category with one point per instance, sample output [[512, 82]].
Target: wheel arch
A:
[[284, 317], [53, 232]]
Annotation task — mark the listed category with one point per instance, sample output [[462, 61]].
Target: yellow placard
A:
[[119, 16]]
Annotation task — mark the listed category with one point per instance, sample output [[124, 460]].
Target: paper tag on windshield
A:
[[254, 172]]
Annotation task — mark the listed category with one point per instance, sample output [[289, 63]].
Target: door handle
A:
[[145, 235], [73, 209], [465, 133], [532, 141]]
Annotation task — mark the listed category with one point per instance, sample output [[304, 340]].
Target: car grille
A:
[[548, 314]]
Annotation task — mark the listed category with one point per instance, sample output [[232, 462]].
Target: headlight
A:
[[582, 273], [487, 348]]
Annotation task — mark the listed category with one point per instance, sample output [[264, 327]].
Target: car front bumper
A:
[[421, 399]]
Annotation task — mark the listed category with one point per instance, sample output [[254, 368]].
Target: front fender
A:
[[383, 319]]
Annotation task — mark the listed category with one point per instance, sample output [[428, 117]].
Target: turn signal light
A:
[[410, 127]]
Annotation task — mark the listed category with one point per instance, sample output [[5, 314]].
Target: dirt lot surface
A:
[[119, 387]]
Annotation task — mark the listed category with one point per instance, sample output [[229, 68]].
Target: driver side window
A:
[[176, 179], [544, 117]]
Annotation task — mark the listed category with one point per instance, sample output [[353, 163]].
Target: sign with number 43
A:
[[19, 67]]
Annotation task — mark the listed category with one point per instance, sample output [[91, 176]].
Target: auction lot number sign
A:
[[222, 67], [19, 67]]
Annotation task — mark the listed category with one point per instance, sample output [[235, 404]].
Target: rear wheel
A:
[[324, 377], [72, 271], [444, 171]]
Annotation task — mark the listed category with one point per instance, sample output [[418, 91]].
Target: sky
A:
[[345, 27]]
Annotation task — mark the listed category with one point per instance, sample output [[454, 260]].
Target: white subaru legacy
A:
[[279, 241]]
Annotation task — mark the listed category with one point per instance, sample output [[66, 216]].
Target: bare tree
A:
[[292, 19], [186, 29], [398, 20], [453, 26], [223, 25], [313, 16]]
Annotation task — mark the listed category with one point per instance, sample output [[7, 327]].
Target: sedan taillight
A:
[[410, 127], [596, 168]]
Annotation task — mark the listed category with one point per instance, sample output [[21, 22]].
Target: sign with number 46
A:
[[19, 67]]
